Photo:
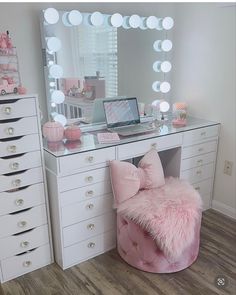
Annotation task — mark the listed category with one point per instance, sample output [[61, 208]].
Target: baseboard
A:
[[224, 209]]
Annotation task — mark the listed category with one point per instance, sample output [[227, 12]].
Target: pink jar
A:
[[72, 133], [53, 131]]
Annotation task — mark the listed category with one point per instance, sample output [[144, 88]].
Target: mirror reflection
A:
[[87, 64]]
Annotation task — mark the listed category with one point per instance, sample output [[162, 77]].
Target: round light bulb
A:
[[143, 25], [116, 20], [166, 45], [165, 66], [126, 24], [74, 18], [96, 19], [156, 66], [51, 62], [134, 21], [165, 87], [60, 118], [51, 16], [151, 22], [56, 71], [164, 106], [53, 44], [156, 86], [167, 23], [57, 96]]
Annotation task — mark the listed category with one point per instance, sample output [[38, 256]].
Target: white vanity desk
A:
[[80, 193]]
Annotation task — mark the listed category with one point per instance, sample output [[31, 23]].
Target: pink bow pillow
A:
[[127, 179]]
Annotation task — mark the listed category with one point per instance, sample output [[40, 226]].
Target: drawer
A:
[[199, 149], [18, 109], [89, 248], [197, 174], [21, 264], [139, 148], [21, 199], [204, 187], [16, 244], [26, 161], [86, 192], [20, 127], [200, 134], [24, 144], [71, 163], [86, 229], [13, 181], [22, 221], [198, 161], [84, 210], [83, 179]]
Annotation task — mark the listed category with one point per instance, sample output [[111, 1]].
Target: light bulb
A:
[[116, 20], [57, 96], [96, 19], [51, 16], [167, 23], [53, 44], [56, 71], [134, 21]]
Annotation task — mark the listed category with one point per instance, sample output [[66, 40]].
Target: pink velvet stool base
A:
[[138, 249]]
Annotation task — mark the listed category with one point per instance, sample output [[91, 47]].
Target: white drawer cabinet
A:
[[199, 159], [23, 200], [80, 191], [29, 261]]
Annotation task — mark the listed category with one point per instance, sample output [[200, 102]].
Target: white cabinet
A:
[[80, 191], [199, 159], [24, 222]]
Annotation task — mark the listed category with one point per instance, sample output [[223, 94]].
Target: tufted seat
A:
[[139, 249]]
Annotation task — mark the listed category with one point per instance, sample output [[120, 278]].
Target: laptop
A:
[[98, 115], [122, 116]]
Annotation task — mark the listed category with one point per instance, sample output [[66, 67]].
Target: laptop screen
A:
[[121, 112]]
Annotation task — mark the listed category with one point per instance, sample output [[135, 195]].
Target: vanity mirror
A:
[[89, 56]]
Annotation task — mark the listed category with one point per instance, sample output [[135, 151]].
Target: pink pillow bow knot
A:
[[127, 179]]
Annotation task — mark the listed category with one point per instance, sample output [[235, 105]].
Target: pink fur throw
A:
[[168, 214]]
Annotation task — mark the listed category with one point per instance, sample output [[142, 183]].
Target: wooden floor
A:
[[107, 274]]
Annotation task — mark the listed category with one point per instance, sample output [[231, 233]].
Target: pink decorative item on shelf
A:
[[179, 114], [22, 90], [53, 131], [72, 133]]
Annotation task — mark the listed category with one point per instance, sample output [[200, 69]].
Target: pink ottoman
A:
[[138, 249]]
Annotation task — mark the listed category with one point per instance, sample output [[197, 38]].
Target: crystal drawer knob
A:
[[7, 110], [203, 133], [200, 149], [11, 148], [10, 131], [90, 159], [19, 202], [22, 224], [27, 263], [200, 161], [91, 245], [197, 188], [199, 172], [14, 166], [90, 206], [91, 226], [89, 178], [89, 193], [16, 182], [24, 244]]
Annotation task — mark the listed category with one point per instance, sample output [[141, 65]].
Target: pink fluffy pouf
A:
[[169, 214]]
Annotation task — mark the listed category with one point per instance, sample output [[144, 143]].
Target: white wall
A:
[[204, 65], [22, 20]]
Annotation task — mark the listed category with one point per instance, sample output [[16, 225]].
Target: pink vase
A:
[[72, 133], [53, 131]]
